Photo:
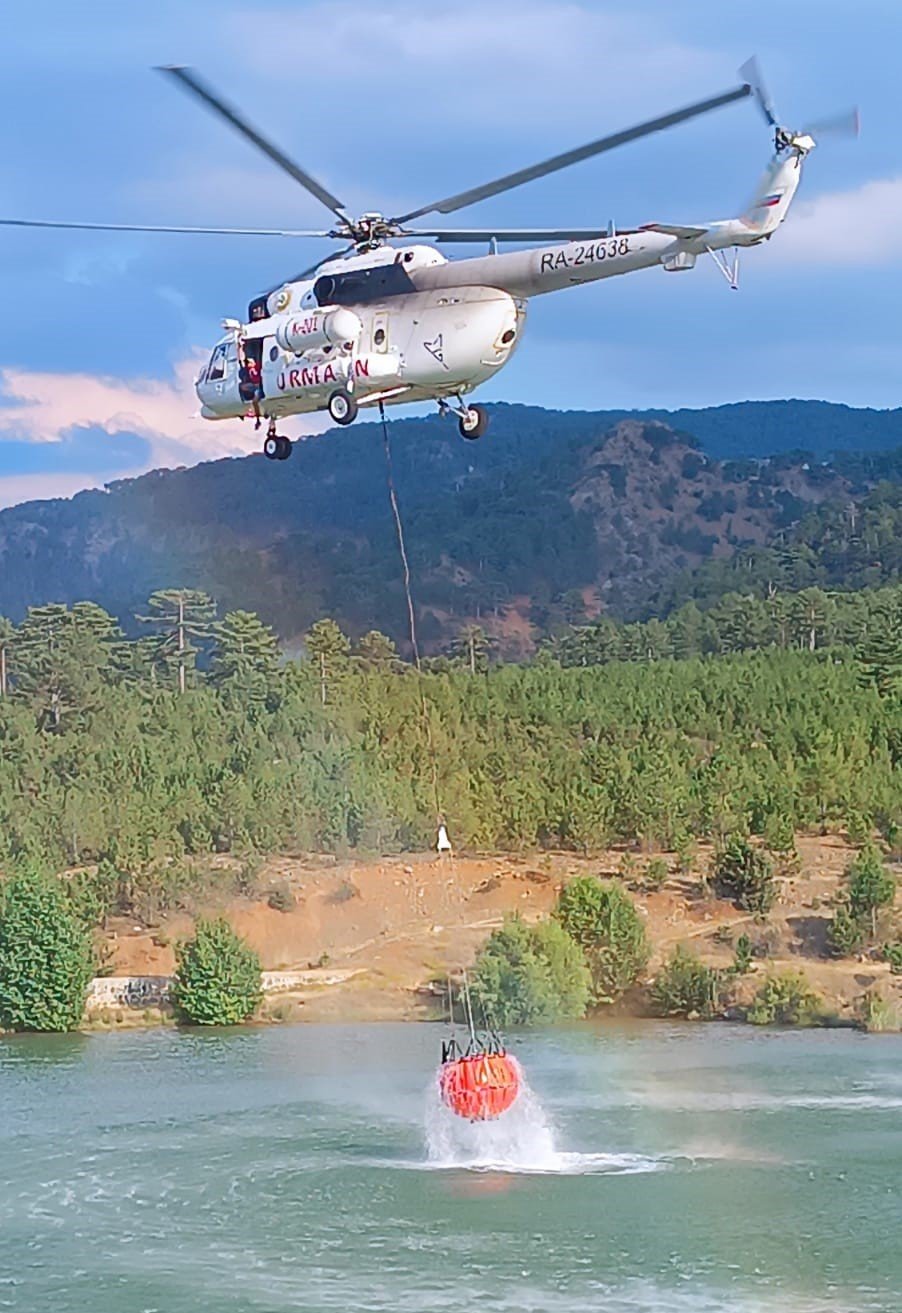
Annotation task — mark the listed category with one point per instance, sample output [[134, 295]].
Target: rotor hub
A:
[[368, 232]]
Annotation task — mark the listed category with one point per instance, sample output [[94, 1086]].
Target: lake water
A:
[[665, 1169]]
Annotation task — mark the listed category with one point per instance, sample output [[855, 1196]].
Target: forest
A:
[[198, 737], [553, 519]]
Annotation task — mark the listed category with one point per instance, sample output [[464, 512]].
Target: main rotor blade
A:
[[509, 234], [197, 87], [751, 72], [162, 228], [575, 156]]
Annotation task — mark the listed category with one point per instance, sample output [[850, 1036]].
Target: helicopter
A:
[[378, 324]]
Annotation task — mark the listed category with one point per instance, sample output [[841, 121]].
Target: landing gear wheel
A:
[[276, 447], [474, 423], [342, 407]]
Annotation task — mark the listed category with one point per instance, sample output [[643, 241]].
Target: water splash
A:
[[521, 1140]]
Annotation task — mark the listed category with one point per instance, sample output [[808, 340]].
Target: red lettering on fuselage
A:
[[303, 327], [316, 376]]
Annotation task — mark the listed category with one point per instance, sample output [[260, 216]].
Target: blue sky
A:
[[391, 105]]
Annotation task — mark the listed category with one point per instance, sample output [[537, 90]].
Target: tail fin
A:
[[774, 195]]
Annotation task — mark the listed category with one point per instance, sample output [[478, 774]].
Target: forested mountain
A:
[[840, 545], [551, 519], [769, 428]]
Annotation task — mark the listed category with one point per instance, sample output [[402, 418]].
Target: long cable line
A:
[[411, 612], [400, 528]]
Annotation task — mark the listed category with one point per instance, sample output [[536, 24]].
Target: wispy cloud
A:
[[858, 227], [44, 408], [516, 61]]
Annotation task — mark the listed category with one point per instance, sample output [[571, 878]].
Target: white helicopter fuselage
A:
[[402, 325]]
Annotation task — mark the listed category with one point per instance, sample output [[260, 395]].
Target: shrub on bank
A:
[[530, 975], [892, 953], [745, 875], [603, 920], [217, 977], [46, 956], [845, 934], [785, 1000], [686, 987], [870, 887]]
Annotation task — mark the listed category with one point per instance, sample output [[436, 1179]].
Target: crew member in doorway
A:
[[250, 379]]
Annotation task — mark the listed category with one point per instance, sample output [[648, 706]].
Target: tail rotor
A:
[[846, 124], [752, 75]]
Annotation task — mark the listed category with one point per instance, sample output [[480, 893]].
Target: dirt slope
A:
[[405, 921]]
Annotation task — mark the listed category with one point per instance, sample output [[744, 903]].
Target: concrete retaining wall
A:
[[152, 991]]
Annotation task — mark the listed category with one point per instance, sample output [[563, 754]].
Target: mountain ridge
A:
[[551, 518]]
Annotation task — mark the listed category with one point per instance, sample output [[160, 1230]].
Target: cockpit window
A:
[[217, 366]]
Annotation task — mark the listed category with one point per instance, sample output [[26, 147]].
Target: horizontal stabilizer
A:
[[674, 230]]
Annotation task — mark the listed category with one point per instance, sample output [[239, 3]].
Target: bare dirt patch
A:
[[402, 922]]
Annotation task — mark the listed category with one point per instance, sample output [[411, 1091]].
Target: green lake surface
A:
[[656, 1169]]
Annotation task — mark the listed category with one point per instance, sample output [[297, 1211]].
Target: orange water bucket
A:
[[480, 1086]]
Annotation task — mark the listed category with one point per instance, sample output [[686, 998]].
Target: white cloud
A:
[[384, 102], [42, 407], [859, 227], [514, 62]]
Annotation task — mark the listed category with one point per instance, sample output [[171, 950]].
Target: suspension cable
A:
[[400, 528], [411, 613]]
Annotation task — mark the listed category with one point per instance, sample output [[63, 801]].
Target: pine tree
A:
[[245, 658], [686, 631], [880, 650], [329, 648], [471, 647], [376, 651], [810, 612], [7, 632], [62, 657], [180, 616], [217, 977]]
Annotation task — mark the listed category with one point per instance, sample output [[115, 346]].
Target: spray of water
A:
[[520, 1140]]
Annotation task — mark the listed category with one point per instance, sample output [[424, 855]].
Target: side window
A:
[[380, 331], [217, 365]]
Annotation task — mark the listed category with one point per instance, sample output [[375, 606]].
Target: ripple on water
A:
[[594, 1196]]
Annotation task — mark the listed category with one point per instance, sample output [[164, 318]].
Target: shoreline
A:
[[363, 939]]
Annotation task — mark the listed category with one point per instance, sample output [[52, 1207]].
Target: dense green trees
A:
[[46, 955], [217, 977], [530, 975], [868, 622], [686, 987], [590, 952], [745, 874], [870, 887], [602, 918], [101, 755]]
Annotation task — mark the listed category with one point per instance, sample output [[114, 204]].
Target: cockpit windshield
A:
[[217, 367]]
